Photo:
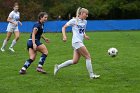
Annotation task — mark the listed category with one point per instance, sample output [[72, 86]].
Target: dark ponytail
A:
[[41, 15]]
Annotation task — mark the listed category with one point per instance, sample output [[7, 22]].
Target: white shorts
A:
[[11, 29], [77, 45]]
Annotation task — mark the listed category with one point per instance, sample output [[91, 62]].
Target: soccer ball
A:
[[112, 52]]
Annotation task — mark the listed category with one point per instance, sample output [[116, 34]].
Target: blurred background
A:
[[65, 9]]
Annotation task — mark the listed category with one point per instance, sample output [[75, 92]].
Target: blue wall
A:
[[93, 25]]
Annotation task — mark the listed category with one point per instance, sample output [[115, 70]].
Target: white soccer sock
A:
[[40, 65], [89, 67], [4, 44], [13, 43], [23, 68], [65, 64]]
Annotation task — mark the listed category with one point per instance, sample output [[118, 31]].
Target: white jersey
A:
[[78, 29], [14, 18]]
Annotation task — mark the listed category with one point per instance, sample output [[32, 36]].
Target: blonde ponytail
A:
[[77, 14], [79, 11]]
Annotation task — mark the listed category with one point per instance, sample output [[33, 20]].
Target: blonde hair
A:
[[79, 11]]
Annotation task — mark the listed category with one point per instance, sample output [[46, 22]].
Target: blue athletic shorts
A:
[[30, 43]]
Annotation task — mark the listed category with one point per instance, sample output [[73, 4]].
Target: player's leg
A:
[[42, 48], [28, 62], [84, 52], [76, 57], [6, 40], [17, 33]]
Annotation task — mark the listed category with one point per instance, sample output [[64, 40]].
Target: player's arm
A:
[[20, 23], [64, 32], [46, 39], [10, 20], [86, 37], [33, 37], [69, 23]]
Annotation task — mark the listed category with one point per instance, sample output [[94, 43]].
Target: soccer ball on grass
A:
[[112, 52]]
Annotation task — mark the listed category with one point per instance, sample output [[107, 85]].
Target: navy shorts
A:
[[30, 43]]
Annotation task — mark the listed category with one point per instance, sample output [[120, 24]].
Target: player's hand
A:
[[15, 23], [87, 37], [47, 40], [20, 23], [65, 39], [34, 47]]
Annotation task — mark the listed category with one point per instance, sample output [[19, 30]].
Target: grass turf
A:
[[118, 75]]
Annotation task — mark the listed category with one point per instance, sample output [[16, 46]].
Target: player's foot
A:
[[11, 49], [56, 69], [22, 71], [94, 76], [2, 49], [40, 69]]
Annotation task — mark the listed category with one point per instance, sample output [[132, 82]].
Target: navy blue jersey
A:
[[40, 27]]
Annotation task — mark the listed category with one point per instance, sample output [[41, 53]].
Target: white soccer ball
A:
[[112, 52]]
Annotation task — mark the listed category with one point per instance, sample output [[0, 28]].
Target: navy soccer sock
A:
[[27, 63], [42, 60]]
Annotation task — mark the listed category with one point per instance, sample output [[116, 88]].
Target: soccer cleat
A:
[[22, 71], [40, 69], [94, 76], [11, 49], [56, 69], [2, 49]]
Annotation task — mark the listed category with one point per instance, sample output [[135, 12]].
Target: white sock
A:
[[65, 64], [40, 65], [4, 44], [23, 68], [89, 67], [13, 43]]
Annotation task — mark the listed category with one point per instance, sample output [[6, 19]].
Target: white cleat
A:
[[94, 76], [11, 49], [2, 49], [56, 69]]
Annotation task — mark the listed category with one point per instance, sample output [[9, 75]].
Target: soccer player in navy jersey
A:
[[34, 44]]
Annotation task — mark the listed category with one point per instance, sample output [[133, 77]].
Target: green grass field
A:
[[118, 75]]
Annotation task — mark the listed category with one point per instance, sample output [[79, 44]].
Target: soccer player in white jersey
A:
[[12, 27], [78, 28]]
